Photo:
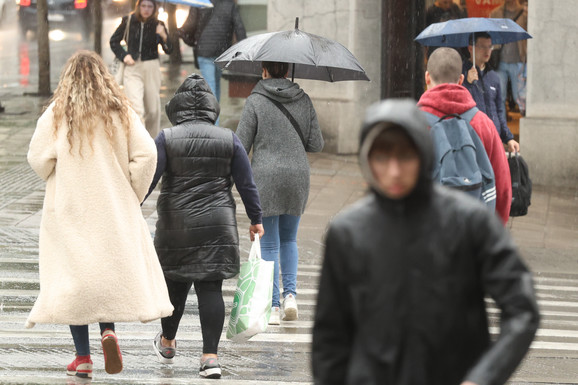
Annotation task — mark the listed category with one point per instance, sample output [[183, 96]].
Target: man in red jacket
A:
[[446, 95]]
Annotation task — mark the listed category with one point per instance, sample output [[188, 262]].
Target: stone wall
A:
[[549, 133], [355, 24]]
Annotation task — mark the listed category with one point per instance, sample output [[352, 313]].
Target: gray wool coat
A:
[[279, 162]]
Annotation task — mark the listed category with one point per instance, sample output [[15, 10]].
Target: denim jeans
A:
[[212, 74], [80, 337], [279, 244], [511, 71]]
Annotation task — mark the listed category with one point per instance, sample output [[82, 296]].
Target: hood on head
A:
[[405, 114], [193, 101], [281, 89]]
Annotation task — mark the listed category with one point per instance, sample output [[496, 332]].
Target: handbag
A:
[[117, 67], [252, 302]]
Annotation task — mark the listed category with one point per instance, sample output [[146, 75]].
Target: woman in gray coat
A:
[[281, 170]]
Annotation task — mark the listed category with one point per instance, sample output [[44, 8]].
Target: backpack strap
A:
[[469, 114], [431, 118], [294, 123]]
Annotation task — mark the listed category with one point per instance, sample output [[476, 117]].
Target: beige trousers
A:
[[142, 85]]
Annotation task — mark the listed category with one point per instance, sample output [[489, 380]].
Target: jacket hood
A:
[[446, 99], [283, 90], [405, 114], [193, 101]]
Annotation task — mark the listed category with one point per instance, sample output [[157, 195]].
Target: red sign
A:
[[482, 8]]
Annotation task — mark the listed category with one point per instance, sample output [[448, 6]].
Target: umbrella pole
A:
[[293, 70], [474, 50]]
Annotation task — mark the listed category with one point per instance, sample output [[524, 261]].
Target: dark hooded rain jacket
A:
[[401, 296]]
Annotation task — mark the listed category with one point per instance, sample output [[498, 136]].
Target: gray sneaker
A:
[[165, 355], [210, 368]]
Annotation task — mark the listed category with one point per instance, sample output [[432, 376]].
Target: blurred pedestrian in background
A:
[[512, 55], [212, 31], [196, 234], [406, 271], [281, 170], [523, 49], [142, 73], [440, 11], [96, 256]]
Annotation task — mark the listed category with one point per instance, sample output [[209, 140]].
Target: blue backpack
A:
[[461, 161]]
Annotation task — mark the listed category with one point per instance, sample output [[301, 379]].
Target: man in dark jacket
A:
[[213, 29], [196, 235], [406, 270], [484, 85]]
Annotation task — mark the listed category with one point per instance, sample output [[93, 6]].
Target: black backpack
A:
[[521, 185]]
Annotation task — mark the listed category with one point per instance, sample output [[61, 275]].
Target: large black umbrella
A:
[[312, 57]]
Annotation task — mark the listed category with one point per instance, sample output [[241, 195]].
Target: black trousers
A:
[[211, 310]]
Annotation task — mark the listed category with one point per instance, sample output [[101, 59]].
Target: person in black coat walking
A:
[[406, 270], [212, 30], [196, 235], [142, 74]]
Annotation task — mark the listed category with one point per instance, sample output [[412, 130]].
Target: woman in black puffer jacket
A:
[[142, 74], [196, 235]]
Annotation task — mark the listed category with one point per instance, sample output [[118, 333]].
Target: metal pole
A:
[[293, 71]]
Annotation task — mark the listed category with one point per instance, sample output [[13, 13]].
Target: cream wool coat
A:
[[97, 260]]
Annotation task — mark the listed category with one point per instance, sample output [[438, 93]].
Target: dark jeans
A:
[[211, 311], [80, 337]]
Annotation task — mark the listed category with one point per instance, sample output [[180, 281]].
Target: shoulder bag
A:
[[117, 67]]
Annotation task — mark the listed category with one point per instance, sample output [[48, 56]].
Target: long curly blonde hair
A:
[[87, 95]]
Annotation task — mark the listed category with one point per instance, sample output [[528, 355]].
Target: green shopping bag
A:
[[252, 301]]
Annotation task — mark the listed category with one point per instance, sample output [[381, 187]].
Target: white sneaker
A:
[[290, 308], [274, 319]]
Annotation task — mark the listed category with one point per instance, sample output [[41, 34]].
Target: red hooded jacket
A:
[[446, 99]]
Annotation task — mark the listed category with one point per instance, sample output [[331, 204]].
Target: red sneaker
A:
[[111, 350], [80, 367]]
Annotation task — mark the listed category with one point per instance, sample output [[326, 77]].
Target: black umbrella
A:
[[312, 57]]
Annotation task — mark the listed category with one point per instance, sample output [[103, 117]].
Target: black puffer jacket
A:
[[217, 36], [148, 46], [196, 234], [401, 296]]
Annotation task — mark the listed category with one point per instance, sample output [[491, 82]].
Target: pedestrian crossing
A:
[[281, 355], [278, 356]]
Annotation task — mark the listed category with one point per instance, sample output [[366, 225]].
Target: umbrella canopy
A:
[[192, 3], [456, 33], [313, 57]]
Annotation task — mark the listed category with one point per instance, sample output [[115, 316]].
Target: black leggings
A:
[[211, 311]]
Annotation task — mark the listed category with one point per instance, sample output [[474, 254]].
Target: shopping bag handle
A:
[[255, 252]]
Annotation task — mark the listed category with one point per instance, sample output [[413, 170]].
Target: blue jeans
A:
[[279, 244], [80, 337], [511, 71], [212, 74]]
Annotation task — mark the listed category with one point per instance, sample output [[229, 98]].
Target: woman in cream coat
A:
[[97, 261]]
